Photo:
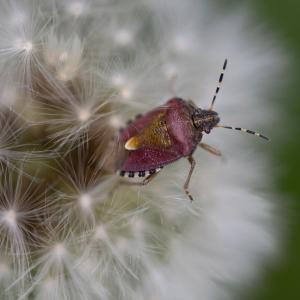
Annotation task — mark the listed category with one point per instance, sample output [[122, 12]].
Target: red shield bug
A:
[[166, 134]]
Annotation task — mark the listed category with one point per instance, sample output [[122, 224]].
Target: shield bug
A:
[[166, 134]]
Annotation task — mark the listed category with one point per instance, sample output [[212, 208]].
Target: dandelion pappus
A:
[[168, 133]]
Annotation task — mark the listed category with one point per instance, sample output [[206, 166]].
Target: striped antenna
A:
[[219, 85], [245, 130]]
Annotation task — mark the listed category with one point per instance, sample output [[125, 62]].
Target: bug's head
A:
[[205, 120]]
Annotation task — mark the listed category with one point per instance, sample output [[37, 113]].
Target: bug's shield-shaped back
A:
[[157, 138]]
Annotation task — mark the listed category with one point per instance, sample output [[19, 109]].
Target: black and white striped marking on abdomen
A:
[[132, 174]]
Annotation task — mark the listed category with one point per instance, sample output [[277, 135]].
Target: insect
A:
[[168, 133]]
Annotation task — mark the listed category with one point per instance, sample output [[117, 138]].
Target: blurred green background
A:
[[282, 281]]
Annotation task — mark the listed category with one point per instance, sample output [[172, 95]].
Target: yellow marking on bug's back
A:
[[133, 143], [155, 135]]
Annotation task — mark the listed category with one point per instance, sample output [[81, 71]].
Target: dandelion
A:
[[64, 55], [22, 210], [69, 115], [79, 191], [73, 73], [56, 274], [76, 8], [12, 127], [21, 31]]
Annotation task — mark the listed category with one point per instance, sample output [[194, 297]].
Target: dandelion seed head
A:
[[48, 284], [63, 53], [118, 80], [181, 43], [4, 269], [122, 243], [100, 233], [138, 225], [77, 8], [67, 72], [84, 114], [23, 45], [116, 121], [9, 95], [127, 92], [123, 85], [170, 70], [19, 18], [59, 251], [63, 75], [10, 218], [85, 201], [123, 37], [63, 56]]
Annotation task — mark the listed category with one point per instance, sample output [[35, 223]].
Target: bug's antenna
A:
[[244, 130], [219, 84]]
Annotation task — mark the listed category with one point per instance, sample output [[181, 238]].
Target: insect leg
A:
[[186, 184], [210, 149], [148, 178]]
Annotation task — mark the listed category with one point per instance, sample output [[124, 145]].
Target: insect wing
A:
[[137, 126], [147, 158]]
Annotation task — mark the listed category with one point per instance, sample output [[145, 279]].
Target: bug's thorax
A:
[[205, 120]]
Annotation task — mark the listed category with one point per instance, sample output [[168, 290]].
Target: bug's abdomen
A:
[[146, 159]]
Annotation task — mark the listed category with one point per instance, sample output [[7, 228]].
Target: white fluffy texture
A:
[[63, 54], [134, 55]]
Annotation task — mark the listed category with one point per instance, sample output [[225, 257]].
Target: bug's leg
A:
[[210, 149], [142, 183], [148, 178], [186, 184]]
